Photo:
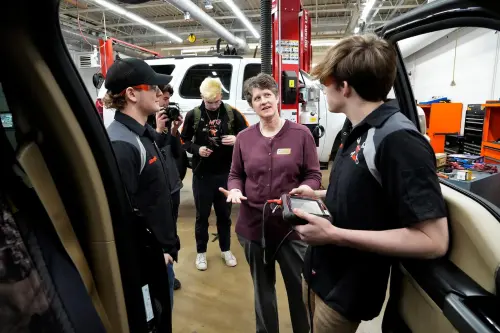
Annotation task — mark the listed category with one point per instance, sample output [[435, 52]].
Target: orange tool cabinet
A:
[[442, 119], [490, 147]]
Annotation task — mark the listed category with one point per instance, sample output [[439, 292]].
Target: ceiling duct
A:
[[204, 19], [70, 34]]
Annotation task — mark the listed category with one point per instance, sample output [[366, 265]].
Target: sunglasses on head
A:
[[327, 81], [144, 87]]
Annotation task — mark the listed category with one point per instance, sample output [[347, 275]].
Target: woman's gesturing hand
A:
[[234, 195]]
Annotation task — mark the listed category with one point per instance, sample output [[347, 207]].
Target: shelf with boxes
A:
[[442, 119], [490, 147]]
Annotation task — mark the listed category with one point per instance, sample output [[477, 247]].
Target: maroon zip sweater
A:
[[265, 168]]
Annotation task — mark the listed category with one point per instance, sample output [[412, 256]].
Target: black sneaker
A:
[[177, 284]]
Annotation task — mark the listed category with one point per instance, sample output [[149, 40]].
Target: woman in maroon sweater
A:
[[270, 158]]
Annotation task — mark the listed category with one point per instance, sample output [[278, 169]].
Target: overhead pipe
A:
[[393, 12], [266, 38], [95, 41], [198, 14], [133, 47]]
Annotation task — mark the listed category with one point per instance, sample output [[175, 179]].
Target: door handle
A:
[[465, 319]]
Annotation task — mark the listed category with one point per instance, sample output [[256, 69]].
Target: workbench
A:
[[483, 184]]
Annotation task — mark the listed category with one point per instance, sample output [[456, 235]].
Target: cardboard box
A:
[[440, 159]]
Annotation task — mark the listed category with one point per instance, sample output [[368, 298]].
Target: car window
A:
[[190, 86], [455, 81], [251, 70], [163, 69]]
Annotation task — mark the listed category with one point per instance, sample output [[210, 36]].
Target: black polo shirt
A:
[[149, 190], [383, 177]]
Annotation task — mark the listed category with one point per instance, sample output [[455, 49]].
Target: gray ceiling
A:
[[330, 19]]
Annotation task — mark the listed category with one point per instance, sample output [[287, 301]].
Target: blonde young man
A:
[[384, 194], [209, 133]]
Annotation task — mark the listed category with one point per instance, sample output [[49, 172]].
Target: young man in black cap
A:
[[133, 91]]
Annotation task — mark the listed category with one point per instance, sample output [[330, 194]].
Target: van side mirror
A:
[[97, 80]]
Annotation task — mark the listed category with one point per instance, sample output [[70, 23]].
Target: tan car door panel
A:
[[475, 234], [34, 165], [474, 252], [458, 293], [419, 311], [100, 240]]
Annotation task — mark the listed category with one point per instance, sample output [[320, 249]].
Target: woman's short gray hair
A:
[[261, 81]]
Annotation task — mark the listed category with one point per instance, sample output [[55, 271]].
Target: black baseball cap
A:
[[131, 72]]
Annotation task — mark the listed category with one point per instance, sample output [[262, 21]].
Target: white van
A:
[[189, 71]]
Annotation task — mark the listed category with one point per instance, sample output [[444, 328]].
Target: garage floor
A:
[[220, 300]]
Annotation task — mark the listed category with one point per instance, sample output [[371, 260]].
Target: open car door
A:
[[460, 291], [82, 261]]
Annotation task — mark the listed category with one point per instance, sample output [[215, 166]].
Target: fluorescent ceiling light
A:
[[214, 73], [239, 14], [208, 4], [138, 19], [356, 30], [368, 6]]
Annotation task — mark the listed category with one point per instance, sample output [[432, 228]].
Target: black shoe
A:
[[177, 284]]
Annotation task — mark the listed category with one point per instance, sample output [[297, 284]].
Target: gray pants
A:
[[291, 260]]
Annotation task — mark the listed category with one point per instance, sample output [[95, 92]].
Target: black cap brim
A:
[[159, 79]]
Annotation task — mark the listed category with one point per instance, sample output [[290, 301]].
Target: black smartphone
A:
[[311, 206]]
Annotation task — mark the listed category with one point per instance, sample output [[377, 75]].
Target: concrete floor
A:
[[220, 300]]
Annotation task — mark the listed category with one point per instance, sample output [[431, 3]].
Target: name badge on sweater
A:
[[284, 151]]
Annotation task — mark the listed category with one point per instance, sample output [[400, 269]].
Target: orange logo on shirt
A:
[[154, 159]]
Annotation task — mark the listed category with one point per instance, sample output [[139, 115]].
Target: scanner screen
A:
[[309, 206]]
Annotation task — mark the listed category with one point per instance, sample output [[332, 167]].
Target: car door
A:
[[64, 150], [457, 293]]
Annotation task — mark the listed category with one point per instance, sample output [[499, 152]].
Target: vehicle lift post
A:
[[291, 53]]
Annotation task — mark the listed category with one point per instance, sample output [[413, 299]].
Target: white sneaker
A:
[[201, 261], [229, 258]]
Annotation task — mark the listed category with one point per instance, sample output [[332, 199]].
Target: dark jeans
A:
[[171, 279], [206, 192], [291, 260], [176, 201]]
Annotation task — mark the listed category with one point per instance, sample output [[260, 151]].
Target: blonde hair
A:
[[211, 88]]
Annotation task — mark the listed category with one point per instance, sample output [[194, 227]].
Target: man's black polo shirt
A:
[[149, 190], [384, 177]]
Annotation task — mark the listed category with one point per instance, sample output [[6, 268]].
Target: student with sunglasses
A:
[[133, 91]]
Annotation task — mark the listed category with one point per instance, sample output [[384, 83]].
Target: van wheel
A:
[[182, 165]]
